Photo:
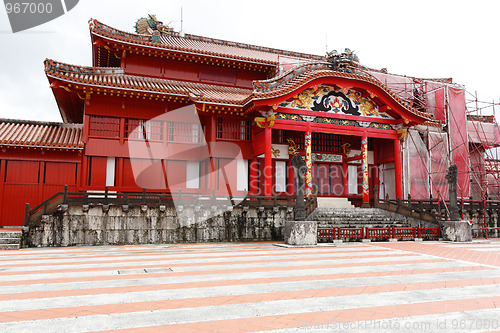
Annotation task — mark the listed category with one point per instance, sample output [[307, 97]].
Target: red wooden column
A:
[[308, 161], [290, 187], [2, 179], [84, 172], [345, 180], [397, 169], [376, 180], [364, 167], [212, 137], [253, 176], [119, 171], [268, 160]]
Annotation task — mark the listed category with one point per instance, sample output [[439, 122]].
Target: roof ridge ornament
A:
[[344, 62], [142, 25]]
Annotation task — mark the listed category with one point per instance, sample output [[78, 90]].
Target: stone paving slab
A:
[[253, 287]]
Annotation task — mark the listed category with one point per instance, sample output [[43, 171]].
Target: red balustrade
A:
[[374, 233]]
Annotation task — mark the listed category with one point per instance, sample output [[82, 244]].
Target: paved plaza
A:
[[253, 287]]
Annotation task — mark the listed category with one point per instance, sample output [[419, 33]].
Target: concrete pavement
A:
[[253, 287]]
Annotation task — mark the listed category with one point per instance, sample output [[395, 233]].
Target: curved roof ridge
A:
[[64, 72], [199, 44], [295, 78], [64, 67]]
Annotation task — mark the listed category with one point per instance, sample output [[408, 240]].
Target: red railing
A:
[[344, 233], [378, 233], [429, 232], [327, 233], [374, 233], [404, 233]]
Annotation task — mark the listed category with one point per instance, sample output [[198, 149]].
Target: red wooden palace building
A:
[[165, 111]]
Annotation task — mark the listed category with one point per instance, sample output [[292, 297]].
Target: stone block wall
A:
[[150, 225], [478, 218]]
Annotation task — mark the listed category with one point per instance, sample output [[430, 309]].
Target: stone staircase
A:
[[334, 203], [10, 238], [357, 218]]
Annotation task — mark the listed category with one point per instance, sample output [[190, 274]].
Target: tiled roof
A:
[[113, 78], [40, 134], [492, 166], [484, 119], [200, 45], [301, 75]]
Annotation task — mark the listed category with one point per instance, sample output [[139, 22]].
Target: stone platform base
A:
[[301, 232], [456, 231]]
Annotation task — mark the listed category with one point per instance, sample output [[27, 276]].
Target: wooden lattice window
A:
[[326, 143], [108, 127], [184, 132], [233, 129], [140, 129], [282, 136]]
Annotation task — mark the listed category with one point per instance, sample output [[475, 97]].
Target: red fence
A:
[[374, 233]]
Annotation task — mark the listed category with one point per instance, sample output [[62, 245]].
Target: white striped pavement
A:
[[251, 287]]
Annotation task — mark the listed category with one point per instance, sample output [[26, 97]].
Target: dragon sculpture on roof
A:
[[344, 61], [142, 25]]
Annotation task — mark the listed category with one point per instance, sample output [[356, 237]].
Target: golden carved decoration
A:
[[345, 149], [292, 147], [275, 152], [402, 133], [304, 99], [262, 121]]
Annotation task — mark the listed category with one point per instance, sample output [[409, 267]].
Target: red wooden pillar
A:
[[84, 171], [308, 161], [268, 160], [397, 169], [364, 167], [86, 128], [290, 187], [212, 137], [376, 180], [2, 180], [345, 180], [253, 176], [123, 61], [41, 177], [122, 130], [119, 171], [78, 179]]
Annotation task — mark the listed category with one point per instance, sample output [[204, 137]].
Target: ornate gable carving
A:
[[329, 100]]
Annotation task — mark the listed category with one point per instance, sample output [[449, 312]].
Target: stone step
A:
[[5, 240], [10, 238], [9, 247], [334, 203], [353, 218], [356, 218], [11, 234], [359, 218], [350, 212], [362, 226], [354, 209]]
